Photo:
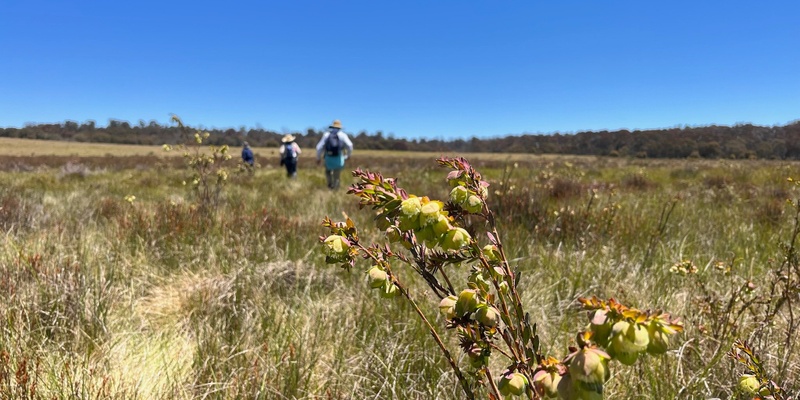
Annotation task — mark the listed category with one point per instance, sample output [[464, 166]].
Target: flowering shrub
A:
[[209, 173], [437, 240]]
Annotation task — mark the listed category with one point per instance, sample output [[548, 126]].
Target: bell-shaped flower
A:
[[487, 316], [409, 213], [455, 239], [749, 384], [627, 341], [389, 289], [336, 247], [376, 276], [473, 205], [459, 195], [467, 302], [547, 378], [589, 364], [512, 384], [429, 213], [448, 306]]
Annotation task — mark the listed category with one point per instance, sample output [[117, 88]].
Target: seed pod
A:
[[512, 384]]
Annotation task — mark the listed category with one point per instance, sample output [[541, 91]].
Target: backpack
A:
[[289, 152], [333, 144]]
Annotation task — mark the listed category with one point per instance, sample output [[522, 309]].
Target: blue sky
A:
[[416, 69]]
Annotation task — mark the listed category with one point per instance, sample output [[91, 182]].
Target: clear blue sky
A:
[[432, 69]]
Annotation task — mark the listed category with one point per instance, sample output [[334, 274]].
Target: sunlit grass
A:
[[109, 298]]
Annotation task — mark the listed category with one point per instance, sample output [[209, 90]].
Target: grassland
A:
[[105, 298]]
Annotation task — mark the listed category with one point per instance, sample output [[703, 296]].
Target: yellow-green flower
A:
[[455, 239], [512, 384], [590, 365], [377, 277], [448, 306], [459, 195], [336, 247]]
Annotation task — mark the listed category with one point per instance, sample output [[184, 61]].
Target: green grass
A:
[[109, 299]]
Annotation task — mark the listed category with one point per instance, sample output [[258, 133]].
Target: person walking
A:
[[336, 147], [247, 155], [289, 151]]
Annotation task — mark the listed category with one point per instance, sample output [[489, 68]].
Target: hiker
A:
[[336, 147], [247, 154], [289, 151]]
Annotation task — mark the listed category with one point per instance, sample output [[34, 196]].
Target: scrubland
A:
[[115, 286]]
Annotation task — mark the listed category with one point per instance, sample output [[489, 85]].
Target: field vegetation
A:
[[115, 285]]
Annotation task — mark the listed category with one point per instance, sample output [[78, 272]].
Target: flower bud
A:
[[447, 306], [377, 277], [459, 195], [336, 247], [512, 384], [467, 302], [455, 239], [473, 205], [487, 316]]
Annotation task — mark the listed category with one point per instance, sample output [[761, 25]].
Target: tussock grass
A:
[[103, 298]]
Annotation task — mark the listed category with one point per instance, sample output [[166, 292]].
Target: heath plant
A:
[[208, 166], [455, 247]]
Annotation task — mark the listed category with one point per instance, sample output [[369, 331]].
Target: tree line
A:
[[714, 141]]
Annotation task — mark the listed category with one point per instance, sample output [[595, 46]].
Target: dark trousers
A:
[[291, 167], [332, 176]]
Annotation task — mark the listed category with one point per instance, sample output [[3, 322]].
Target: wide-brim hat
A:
[[336, 124], [288, 139]]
